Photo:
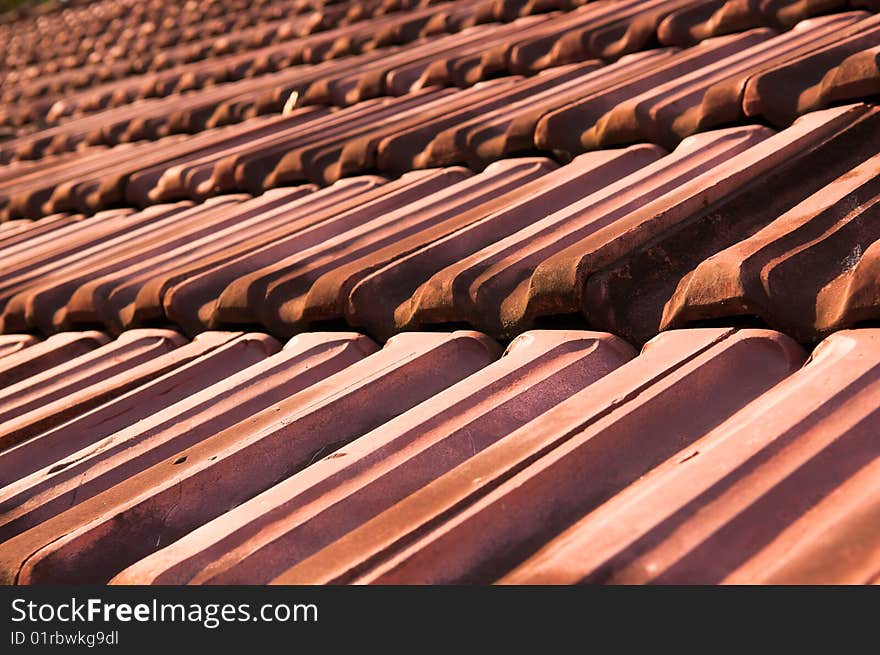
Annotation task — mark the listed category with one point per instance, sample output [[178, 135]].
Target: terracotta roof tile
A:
[[795, 272], [108, 460], [19, 367], [709, 18], [260, 538], [210, 358], [767, 496], [475, 470], [838, 68], [527, 484], [190, 298], [12, 343], [694, 175], [45, 399], [432, 284], [237, 463], [313, 284], [823, 146]]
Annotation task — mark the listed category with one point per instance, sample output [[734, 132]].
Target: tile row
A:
[[708, 18], [120, 30], [741, 224], [713, 455], [245, 81], [658, 96], [173, 40], [48, 84], [718, 82], [268, 46]]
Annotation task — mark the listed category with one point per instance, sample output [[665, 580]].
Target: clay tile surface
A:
[[23, 364], [529, 483], [312, 285], [46, 399], [732, 508], [209, 358], [799, 271], [238, 462], [396, 291], [702, 20], [299, 516], [12, 343]]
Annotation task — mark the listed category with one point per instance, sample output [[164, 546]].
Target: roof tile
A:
[[309, 510], [765, 497], [527, 484], [237, 463], [680, 173]]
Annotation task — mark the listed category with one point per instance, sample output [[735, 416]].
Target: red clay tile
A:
[[169, 179], [436, 142], [597, 29], [430, 67], [190, 296], [629, 294], [386, 75], [225, 459], [31, 260], [194, 177], [563, 129], [781, 272], [16, 368], [28, 230], [783, 492], [312, 284], [369, 144], [504, 286], [192, 74], [510, 130], [236, 464], [852, 298], [38, 304], [297, 517], [48, 491], [118, 299], [13, 343], [703, 20], [839, 68], [50, 397], [247, 168], [394, 298], [217, 356], [527, 485]]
